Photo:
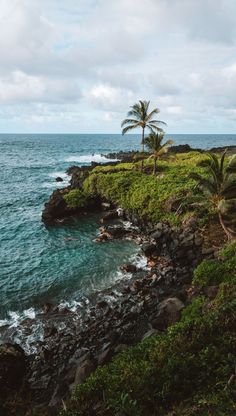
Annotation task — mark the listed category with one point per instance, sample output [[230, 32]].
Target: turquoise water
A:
[[56, 264]]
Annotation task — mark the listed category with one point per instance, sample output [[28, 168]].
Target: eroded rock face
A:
[[168, 313], [12, 367], [56, 208]]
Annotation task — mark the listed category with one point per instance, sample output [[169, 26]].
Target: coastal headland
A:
[[159, 341]]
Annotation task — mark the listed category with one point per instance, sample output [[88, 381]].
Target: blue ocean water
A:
[[55, 264]]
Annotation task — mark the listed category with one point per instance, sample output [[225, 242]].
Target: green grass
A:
[[146, 195]]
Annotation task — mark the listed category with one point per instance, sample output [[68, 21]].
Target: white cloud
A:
[[180, 54], [20, 87]]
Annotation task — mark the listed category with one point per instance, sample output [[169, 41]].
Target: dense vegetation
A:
[[188, 371], [168, 196], [219, 189]]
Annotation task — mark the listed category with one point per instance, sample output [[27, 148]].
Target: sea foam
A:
[[89, 158]]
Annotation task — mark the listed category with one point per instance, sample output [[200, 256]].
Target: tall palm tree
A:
[[155, 145], [140, 117], [219, 188]]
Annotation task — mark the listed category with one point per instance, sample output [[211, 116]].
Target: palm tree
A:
[[219, 188], [155, 145], [139, 116]]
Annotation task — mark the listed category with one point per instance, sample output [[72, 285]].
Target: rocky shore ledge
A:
[[145, 302]]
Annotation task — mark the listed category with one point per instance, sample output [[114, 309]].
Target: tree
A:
[[155, 145], [219, 188], [140, 117]]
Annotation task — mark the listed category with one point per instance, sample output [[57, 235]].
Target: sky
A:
[[76, 66]]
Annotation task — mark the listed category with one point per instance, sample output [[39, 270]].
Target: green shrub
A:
[[187, 369], [229, 250], [146, 195], [212, 272], [76, 199]]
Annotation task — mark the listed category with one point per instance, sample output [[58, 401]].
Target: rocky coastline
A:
[[146, 301]]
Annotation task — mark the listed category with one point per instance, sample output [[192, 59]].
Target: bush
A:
[[183, 372], [144, 195], [76, 199], [212, 272]]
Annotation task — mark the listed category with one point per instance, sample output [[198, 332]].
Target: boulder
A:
[[109, 215], [56, 207], [129, 268], [148, 249], [12, 367], [114, 231], [84, 370], [58, 179], [169, 311]]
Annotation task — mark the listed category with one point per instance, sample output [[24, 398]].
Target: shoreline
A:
[[132, 310]]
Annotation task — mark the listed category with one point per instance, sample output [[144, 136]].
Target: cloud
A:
[[91, 59], [20, 87]]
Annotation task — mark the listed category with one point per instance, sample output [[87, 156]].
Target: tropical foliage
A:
[[144, 195], [140, 117], [219, 189], [155, 145], [188, 371]]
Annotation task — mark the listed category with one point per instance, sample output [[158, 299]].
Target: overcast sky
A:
[[77, 65]]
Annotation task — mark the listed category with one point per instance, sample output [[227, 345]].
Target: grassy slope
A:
[[189, 370], [183, 372], [145, 195]]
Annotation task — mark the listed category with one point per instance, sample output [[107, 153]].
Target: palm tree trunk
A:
[[155, 166], [230, 234], [142, 143]]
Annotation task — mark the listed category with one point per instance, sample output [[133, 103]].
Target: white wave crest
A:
[[62, 175], [89, 158], [14, 318]]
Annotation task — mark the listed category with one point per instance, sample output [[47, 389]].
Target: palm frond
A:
[[231, 168], [222, 161], [152, 113], [229, 190], [129, 121], [131, 127], [151, 127], [204, 184]]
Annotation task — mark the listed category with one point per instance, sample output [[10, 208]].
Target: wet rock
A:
[[58, 179], [110, 215], [114, 231], [56, 207], [49, 331], [47, 307], [149, 249], [101, 238], [169, 311], [12, 367], [102, 304], [129, 268]]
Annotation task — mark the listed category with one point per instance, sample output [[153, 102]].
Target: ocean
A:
[[57, 264]]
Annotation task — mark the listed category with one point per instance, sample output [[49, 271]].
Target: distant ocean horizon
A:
[[58, 264]]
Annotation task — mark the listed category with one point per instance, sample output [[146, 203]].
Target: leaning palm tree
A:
[[219, 188], [140, 117], [157, 148]]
